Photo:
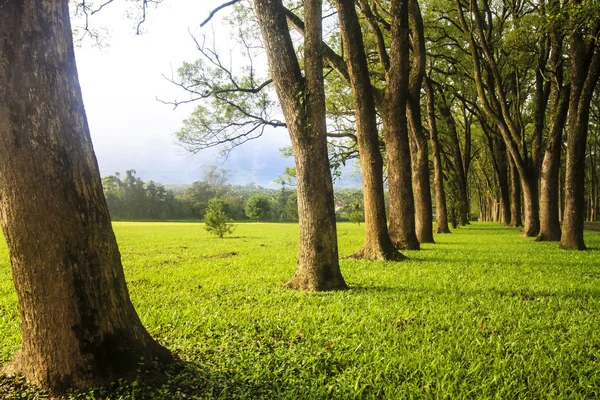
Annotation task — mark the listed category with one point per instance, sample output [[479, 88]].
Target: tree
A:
[[378, 244], [441, 218], [356, 216], [216, 221], [559, 101], [395, 127], [78, 325], [303, 105], [585, 72], [257, 207]]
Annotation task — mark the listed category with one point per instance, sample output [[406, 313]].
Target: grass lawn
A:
[[484, 313]]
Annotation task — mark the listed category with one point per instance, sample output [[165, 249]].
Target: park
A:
[[463, 264]]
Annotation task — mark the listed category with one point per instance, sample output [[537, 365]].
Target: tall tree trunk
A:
[[549, 183], [585, 70], [395, 127], [378, 245], [515, 196], [503, 170], [419, 154], [441, 217], [457, 163], [78, 325], [303, 104]]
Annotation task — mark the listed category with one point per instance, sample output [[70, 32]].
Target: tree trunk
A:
[[457, 163], [78, 325], [515, 196], [505, 213], [585, 70], [419, 154], [393, 110], [549, 183], [441, 217], [378, 245], [303, 104]]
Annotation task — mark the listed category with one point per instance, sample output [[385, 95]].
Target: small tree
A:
[[356, 216], [257, 207], [216, 221]]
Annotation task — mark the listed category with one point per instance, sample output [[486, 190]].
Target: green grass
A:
[[484, 313]]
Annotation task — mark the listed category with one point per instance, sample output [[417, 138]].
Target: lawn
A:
[[483, 313]]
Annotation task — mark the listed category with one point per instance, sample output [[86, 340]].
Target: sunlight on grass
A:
[[481, 313]]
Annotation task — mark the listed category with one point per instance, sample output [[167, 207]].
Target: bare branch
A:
[[216, 10]]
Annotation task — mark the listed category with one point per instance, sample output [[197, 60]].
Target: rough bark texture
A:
[[585, 70], [78, 325], [549, 185], [378, 245], [419, 153], [395, 127], [441, 211], [303, 103]]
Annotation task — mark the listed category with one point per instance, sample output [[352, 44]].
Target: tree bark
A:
[[515, 196], [419, 153], [395, 127], [549, 184], [441, 217], [457, 163], [378, 245], [303, 104], [78, 325], [585, 70]]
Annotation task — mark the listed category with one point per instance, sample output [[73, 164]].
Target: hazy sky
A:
[[130, 128]]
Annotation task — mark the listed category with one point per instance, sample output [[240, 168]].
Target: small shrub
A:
[[216, 221], [356, 217]]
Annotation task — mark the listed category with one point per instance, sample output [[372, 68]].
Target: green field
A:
[[484, 313]]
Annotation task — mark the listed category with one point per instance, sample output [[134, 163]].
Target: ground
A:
[[482, 313]]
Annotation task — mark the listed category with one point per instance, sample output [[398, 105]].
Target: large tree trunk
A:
[[549, 184], [585, 70], [419, 154], [303, 104], [395, 127], [441, 211], [378, 245], [78, 325]]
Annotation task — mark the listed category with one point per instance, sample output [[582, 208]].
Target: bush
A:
[[216, 221]]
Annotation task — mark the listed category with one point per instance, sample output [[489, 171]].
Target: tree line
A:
[[501, 89], [130, 198]]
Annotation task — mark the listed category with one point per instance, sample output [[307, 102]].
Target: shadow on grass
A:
[[180, 380]]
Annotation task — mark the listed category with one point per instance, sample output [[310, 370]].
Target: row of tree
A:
[[498, 66], [130, 198], [476, 90]]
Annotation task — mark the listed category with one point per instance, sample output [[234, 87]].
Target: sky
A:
[[122, 79]]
